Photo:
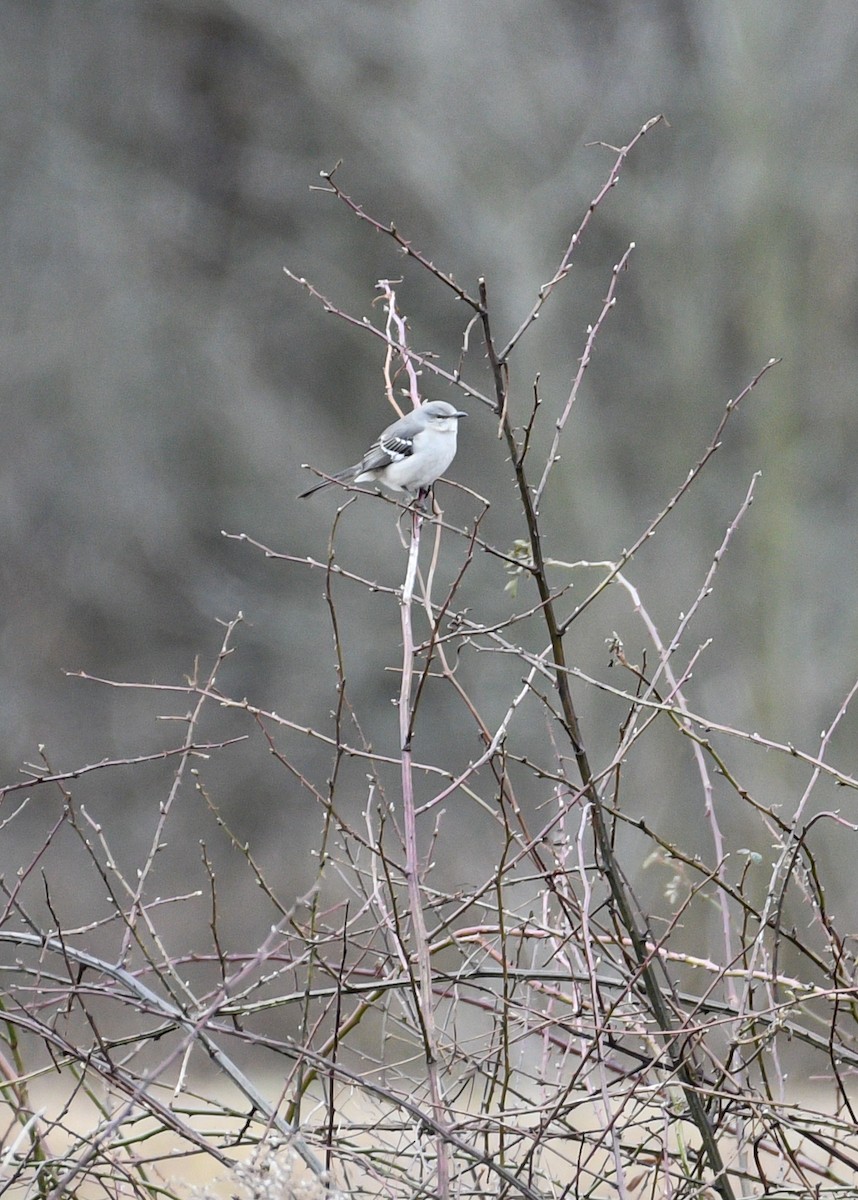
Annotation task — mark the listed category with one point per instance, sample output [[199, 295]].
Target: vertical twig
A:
[[426, 1009]]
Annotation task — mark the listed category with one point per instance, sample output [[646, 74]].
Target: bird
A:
[[409, 455]]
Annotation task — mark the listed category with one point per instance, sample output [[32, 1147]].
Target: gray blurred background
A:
[[164, 380]]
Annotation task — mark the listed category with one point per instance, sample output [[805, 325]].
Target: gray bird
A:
[[410, 454]]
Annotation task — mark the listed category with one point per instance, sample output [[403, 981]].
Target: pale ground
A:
[[282, 1175]]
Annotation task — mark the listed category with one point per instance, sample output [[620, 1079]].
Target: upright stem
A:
[[425, 1001]]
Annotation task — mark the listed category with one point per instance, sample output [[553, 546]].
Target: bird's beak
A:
[[460, 414]]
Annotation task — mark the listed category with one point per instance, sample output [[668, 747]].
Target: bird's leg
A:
[[422, 496]]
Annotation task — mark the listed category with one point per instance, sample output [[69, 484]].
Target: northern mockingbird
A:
[[410, 454]]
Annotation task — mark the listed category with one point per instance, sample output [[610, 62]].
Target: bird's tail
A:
[[340, 477], [317, 488]]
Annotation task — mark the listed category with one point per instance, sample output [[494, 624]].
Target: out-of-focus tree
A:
[[165, 381]]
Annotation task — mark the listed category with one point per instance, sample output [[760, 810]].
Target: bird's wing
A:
[[395, 443]]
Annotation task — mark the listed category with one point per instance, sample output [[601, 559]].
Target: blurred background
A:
[[164, 380]]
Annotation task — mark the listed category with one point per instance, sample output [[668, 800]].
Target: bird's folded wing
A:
[[391, 447]]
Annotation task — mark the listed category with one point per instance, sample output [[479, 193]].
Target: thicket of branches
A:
[[539, 1031]]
